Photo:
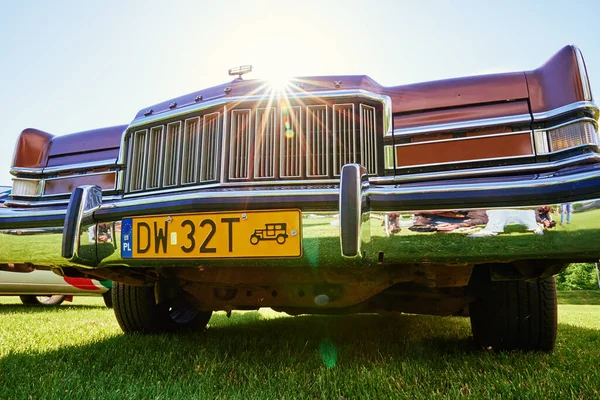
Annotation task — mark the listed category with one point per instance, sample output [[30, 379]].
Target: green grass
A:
[[78, 351], [589, 297]]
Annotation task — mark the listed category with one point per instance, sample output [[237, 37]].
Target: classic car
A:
[[45, 288], [328, 194]]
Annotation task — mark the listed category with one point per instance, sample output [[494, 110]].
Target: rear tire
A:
[[136, 311], [515, 315], [32, 300]]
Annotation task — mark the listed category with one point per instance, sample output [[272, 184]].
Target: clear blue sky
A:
[[68, 66]]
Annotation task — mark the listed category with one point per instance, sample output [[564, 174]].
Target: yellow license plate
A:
[[246, 234]]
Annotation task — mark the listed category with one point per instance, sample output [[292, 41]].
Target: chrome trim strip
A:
[[466, 161], [239, 99], [570, 122], [50, 203], [107, 163], [26, 171], [462, 138], [491, 186], [539, 167], [583, 75], [242, 194], [455, 126], [75, 167], [566, 109]]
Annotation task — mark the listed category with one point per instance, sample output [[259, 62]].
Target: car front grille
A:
[[254, 143]]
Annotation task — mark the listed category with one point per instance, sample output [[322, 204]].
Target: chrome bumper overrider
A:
[[450, 222]]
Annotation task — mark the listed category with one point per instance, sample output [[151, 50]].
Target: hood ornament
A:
[[241, 70]]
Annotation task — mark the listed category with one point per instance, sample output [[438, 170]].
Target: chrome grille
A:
[[189, 152], [291, 142], [179, 153], [155, 147], [266, 134], [344, 136], [270, 143], [368, 138], [137, 155], [171, 159], [239, 144], [317, 143], [210, 147]]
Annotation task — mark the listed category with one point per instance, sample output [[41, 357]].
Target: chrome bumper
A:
[[353, 224]]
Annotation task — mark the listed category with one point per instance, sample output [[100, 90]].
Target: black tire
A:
[[33, 300], [137, 311], [515, 315], [281, 239], [254, 239], [107, 296]]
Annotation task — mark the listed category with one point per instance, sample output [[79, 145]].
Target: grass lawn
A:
[[78, 351]]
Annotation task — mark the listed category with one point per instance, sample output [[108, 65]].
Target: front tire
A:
[[515, 315], [32, 300], [136, 311]]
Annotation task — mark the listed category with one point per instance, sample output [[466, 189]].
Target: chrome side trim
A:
[[491, 186], [585, 82], [462, 139], [241, 194], [457, 126], [50, 203], [26, 171], [108, 163], [537, 117], [512, 169]]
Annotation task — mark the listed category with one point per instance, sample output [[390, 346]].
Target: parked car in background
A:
[[40, 287], [43, 287], [327, 195]]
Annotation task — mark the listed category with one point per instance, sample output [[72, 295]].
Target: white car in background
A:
[[41, 287], [45, 288]]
